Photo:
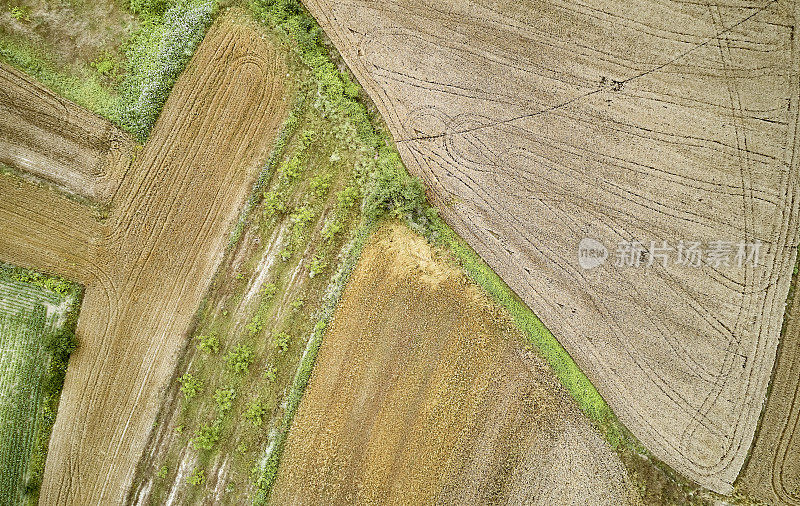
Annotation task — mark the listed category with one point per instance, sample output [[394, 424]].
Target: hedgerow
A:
[[155, 56]]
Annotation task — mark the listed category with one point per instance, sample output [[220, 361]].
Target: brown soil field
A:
[[154, 256], [422, 393], [42, 228], [772, 473], [52, 138], [537, 124]]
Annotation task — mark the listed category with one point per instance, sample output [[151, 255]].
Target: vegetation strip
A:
[[35, 345]]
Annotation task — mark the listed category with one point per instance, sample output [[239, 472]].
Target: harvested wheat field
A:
[[772, 473], [150, 262], [44, 229], [51, 138], [538, 124], [421, 393]]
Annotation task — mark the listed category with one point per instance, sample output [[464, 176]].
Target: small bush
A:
[[239, 359], [190, 386], [197, 478], [281, 341], [208, 344], [162, 473], [208, 436], [105, 65], [269, 290], [271, 374], [255, 413], [298, 303], [346, 198], [274, 203], [224, 398], [318, 265], [21, 14], [320, 184]]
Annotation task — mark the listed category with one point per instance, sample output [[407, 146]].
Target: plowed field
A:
[[773, 471], [56, 140], [421, 393]]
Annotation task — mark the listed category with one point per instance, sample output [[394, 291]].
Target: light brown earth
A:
[[147, 266], [535, 124], [54, 139], [772, 473], [422, 393]]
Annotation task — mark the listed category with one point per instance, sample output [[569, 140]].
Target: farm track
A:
[[52, 138], [773, 470], [148, 265], [427, 398], [616, 120]]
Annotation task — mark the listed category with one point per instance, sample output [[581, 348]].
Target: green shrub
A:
[[320, 184], [190, 386], [105, 65], [162, 472], [269, 290], [298, 303], [281, 341], [274, 203], [271, 374], [346, 198], [318, 265], [208, 436], [255, 413], [224, 398], [208, 344], [196, 478], [239, 359], [149, 7], [21, 14]]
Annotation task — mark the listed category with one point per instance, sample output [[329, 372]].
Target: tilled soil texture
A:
[[772, 473], [152, 259], [538, 124], [53, 139], [421, 393]]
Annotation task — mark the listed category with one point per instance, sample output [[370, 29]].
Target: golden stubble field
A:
[[422, 393], [537, 124], [148, 264]]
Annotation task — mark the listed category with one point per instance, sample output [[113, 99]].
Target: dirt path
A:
[[56, 140], [421, 394], [149, 264], [773, 471], [538, 124]]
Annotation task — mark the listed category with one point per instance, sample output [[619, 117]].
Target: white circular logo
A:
[[591, 253]]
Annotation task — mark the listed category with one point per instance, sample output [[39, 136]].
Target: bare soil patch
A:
[[421, 393], [56, 140], [536, 125]]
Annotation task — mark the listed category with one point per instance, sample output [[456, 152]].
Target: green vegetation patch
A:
[[38, 315]]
